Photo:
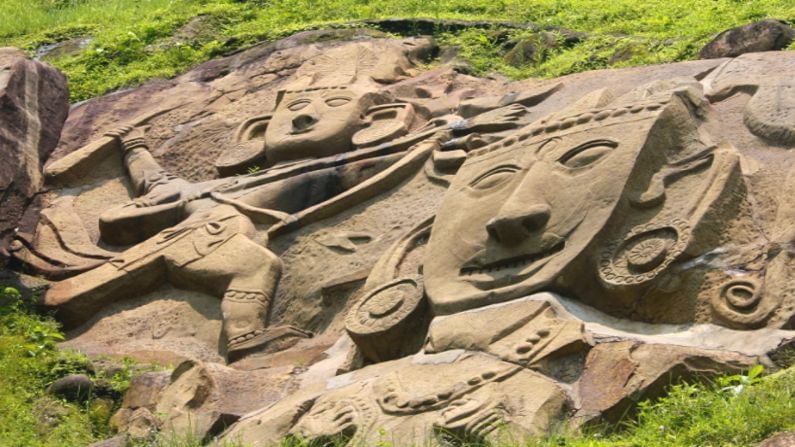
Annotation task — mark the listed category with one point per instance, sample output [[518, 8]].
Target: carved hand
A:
[[119, 132], [498, 117]]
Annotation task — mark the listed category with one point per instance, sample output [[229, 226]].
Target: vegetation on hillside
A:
[[119, 43], [29, 363]]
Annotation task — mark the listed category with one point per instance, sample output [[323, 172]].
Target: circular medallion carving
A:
[[647, 254], [385, 307], [389, 320], [240, 156], [643, 253]]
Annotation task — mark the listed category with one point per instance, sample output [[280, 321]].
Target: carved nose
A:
[[514, 226], [303, 122]]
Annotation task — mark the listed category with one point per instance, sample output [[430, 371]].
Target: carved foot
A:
[[264, 340], [470, 420], [330, 420]]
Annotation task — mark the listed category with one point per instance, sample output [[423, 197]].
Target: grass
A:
[[135, 40], [735, 411], [29, 362]]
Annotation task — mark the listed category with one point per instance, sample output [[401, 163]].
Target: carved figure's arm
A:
[[159, 204], [146, 174]]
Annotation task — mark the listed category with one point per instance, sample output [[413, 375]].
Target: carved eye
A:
[[494, 178], [337, 101], [587, 154], [298, 105]]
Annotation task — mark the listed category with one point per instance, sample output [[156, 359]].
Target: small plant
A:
[[121, 379], [737, 383], [39, 335]]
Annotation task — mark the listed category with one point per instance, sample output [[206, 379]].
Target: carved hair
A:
[[580, 121]]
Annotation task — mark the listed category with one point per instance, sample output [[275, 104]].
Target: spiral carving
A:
[[741, 301]]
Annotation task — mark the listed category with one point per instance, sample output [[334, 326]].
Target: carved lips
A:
[[484, 271]]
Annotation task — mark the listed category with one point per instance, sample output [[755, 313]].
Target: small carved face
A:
[[315, 122], [513, 220]]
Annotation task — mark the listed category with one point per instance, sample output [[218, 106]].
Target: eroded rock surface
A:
[[329, 240], [34, 102]]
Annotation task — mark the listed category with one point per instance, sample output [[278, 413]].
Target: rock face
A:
[[334, 243], [766, 35], [34, 102]]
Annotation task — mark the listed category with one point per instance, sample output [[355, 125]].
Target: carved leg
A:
[[246, 275], [78, 298]]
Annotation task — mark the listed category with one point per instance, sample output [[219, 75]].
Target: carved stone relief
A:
[[411, 252]]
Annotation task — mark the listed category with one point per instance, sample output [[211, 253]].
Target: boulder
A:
[[765, 35], [203, 399], [34, 103], [74, 388], [378, 246], [618, 375], [145, 389]]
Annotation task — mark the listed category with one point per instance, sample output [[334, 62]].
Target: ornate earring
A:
[[644, 253], [380, 323]]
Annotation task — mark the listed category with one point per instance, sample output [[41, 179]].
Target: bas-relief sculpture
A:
[[486, 271], [615, 206], [332, 141]]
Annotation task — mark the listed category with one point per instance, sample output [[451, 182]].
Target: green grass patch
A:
[[29, 363], [135, 40], [734, 411]]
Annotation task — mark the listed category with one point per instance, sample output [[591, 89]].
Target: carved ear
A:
[[383, 123], [395, 284], [679, 222], [253, 128], [655, 193], [248, 149]]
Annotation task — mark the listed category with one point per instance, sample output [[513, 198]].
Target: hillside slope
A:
[[104, 45]]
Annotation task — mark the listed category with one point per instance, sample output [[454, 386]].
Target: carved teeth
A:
[[511, 263]]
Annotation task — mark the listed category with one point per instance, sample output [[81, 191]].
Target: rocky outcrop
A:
[[334, 241], [766, 35], [34, 102]]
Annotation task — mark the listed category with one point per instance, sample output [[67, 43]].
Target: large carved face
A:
[[316, 122], [514, 220]]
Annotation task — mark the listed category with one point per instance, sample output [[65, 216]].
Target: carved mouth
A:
[[517, 265], [300, 131]]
